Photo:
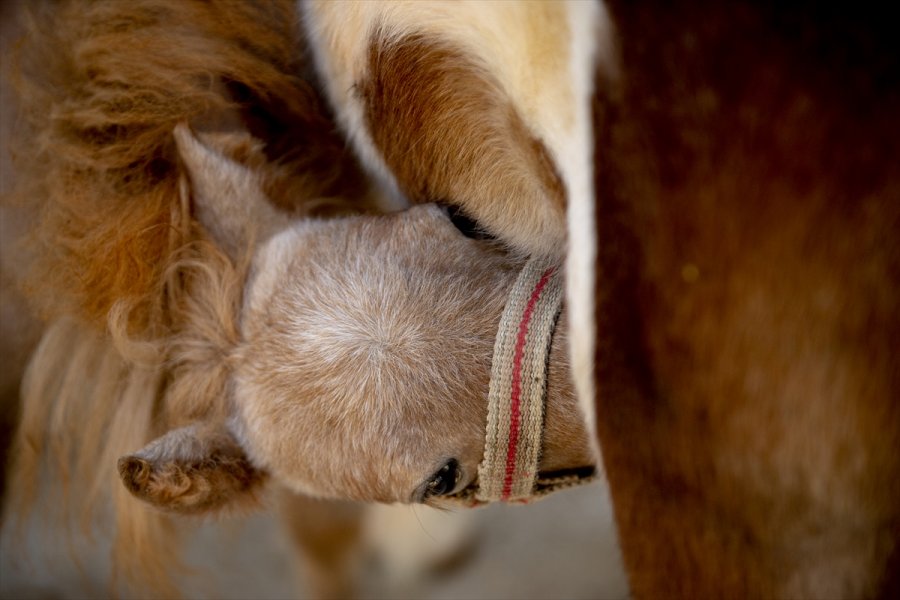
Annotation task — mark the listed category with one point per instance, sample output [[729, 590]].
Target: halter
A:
[[517, 393]]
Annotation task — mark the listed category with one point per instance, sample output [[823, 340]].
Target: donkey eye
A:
[[466, 225], [444, 481]]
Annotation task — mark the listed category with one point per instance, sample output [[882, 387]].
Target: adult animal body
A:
[[731, 248]]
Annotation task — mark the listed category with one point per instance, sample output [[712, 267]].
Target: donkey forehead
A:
[[368, 341], [391, 262], [329, 247], [357, 315]]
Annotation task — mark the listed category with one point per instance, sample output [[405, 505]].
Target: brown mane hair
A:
[[123, 274], [102, 85]]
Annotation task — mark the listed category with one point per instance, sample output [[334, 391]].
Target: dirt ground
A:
[[561, 548]]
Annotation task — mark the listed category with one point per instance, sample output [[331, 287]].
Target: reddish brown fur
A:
[[748, 305], [109, 76], [747, 299], [447, 131]]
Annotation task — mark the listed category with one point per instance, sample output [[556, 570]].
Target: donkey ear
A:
[[193, 470], [228, 197]]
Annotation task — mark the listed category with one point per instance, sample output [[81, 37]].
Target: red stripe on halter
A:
[[516, 391]]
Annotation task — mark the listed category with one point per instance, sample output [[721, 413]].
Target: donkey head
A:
[[364, 357]]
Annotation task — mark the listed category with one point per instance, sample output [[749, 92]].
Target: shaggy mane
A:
[[140, 308], [101, 86]]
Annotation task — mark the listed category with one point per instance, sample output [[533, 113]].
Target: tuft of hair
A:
[[101, 86]]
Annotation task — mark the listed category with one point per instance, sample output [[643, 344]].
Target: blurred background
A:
[[563, 547]]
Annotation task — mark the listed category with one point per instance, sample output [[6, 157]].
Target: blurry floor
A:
[[563, 547]]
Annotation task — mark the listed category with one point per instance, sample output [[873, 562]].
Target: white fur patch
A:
[[582, 255]]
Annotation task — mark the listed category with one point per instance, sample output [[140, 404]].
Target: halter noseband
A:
[[517, 393]]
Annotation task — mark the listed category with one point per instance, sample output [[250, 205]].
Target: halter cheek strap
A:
[[518, 385], [517, 393]]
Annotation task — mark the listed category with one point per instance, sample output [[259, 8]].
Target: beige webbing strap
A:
[[518, 385]]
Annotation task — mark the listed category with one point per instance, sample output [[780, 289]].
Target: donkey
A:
[[732, 252], [156, 259], [331, 351], [359, 337]]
